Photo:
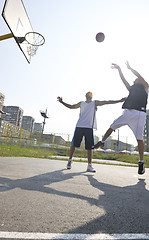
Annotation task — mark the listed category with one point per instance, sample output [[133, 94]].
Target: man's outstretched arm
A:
[[71, 106], [127, 85], [101, 103]]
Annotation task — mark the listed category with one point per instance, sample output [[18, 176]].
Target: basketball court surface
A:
[[41, 199]]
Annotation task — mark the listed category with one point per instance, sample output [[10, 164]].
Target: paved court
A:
[[41, 197]]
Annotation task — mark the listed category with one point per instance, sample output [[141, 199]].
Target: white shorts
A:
[[134, 119]]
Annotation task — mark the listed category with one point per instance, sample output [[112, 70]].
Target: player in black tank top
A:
[[136, 100]]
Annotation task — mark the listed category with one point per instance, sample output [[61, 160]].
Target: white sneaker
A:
[[69, 164], [90, 169]]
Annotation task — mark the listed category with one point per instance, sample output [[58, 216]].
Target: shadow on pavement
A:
[[126, 208]]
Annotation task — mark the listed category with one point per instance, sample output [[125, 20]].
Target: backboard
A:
[[16, 17]]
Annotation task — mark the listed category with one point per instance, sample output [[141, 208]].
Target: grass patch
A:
[[14, 151], [133, 159]]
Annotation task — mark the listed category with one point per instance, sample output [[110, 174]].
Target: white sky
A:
[[72, 63]]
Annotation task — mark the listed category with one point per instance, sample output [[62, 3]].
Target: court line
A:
[[59, 236]]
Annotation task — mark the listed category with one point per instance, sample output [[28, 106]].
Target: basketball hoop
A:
[[34, 40]]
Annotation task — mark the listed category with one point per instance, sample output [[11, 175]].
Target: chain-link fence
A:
[[57, 143]]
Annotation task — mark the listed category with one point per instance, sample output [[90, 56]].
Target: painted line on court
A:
[[59, 236]]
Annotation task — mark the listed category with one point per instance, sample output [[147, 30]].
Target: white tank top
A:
[[87, 117]]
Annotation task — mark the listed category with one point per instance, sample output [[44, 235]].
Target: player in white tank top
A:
[[85, 125]]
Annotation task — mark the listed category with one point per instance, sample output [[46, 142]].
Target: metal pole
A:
[[6, 36]]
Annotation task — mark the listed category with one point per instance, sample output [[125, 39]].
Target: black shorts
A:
[[78, 136]]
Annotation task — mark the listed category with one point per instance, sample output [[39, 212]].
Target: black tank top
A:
[[137, 98]]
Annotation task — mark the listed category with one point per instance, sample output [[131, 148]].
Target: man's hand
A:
[[71, 106], [127, 64], [60, 99], [127, 85], [115, 66], [123, 99]]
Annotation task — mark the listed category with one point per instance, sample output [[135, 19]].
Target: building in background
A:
[[117, 145], [2, 98], [38, 127], [13, 115], [28, 123]]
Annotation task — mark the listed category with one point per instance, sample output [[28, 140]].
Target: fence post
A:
[[39, 140], [53, 142], [7, 134], [126, 144], [20, 137], [3, 132], [111, 145], [31, 135]]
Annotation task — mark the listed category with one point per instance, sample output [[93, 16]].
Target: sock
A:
[[141, 161], [89, 164], [70, 159]]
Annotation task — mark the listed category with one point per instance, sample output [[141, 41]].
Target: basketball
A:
[[100, 37]]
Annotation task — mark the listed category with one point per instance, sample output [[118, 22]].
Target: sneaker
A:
[[141, 168], [99, 144], [69, 164], [90, 169]]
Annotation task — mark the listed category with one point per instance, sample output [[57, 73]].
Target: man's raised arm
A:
[[71, 106], [127, 85], [141, 79]]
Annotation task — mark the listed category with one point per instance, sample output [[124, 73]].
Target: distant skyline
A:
[[72, 63]]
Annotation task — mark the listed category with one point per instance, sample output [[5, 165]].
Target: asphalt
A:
[[41, 195]]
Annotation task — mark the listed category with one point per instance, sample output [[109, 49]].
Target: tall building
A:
[[2, 98], [37, 127], [28, 123], [14, 115], [146, 132]]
